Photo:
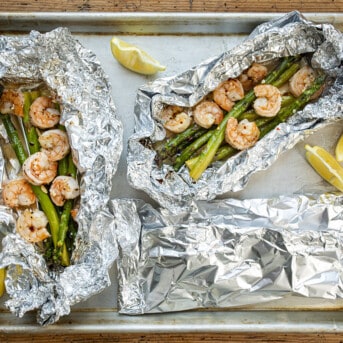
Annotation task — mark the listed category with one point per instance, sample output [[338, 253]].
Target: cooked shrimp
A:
[[63, 188], [39, 170], [18, 193], [55, 144], [12, 102], [301, 80], [31, 225], [255, 74], [268, 102], [43, 114], [227, 93], [241, 135], [246, 82], [207, 113], [175, 119]]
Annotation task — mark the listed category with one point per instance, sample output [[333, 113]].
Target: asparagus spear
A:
[[67, 207], [63, 166], [63, 163], [224, 151], [202, 140], [14, 139], [170, 147], [43, 198], [191, 149], [287, 100], [277, 77], [31, 132], [71, 234], [182, 141]]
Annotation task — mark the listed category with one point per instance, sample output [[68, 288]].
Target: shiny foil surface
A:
[[287, 36], [227, 253], [95, 134]]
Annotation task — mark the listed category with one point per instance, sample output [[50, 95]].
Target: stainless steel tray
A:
[[179, 41]]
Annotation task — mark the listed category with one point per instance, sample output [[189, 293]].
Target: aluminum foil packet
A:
[[59, 61], [227, 253], [287, 36]]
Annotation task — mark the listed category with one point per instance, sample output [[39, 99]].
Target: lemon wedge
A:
[[325, 165], [339, 149], [134, 58], [2, 281]]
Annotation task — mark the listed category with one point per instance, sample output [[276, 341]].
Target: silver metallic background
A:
[[288, 35], [95, 135]]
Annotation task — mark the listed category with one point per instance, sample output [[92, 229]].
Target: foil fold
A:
[[289, 35], [74, 73], [227, 253]]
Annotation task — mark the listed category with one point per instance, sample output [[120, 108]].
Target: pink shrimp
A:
[[241, 135], [228, 93]]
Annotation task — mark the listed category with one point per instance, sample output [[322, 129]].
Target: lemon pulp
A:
[[325, 165], [339, 149], [2, 281], [134, 58]]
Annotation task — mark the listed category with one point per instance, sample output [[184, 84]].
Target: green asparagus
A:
[[170, 147], [43, 198], [265, 127], [31, 133], [191, 149], [298, 103], [63, 163], [67, 207], [195, 137], [279, 76]]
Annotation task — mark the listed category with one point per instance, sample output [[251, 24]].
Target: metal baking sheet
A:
[[181, 41]]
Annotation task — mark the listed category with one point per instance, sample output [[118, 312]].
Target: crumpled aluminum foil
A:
[[227, 253], [95, 134], [288, 35]]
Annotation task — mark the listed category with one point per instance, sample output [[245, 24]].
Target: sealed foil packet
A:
[[227, 253], [289, 35], [57, 60]]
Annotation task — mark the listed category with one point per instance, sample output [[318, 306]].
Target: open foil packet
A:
[[95, 135], [287, 36], [227, 253]]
